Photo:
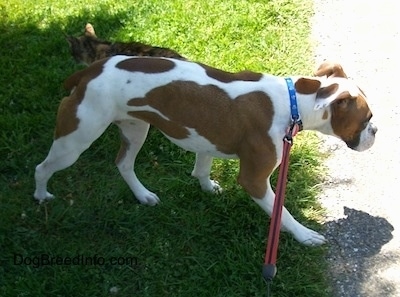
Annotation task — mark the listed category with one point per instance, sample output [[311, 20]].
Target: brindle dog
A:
[[89, 48]]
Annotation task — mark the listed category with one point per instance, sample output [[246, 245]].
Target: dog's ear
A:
[[307, 85], [89, 31], [327, 95], [330, 70]]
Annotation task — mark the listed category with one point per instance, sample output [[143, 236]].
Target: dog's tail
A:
[[71, 82], [90, 72]]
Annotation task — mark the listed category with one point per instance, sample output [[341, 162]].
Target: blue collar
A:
[[293, 103]]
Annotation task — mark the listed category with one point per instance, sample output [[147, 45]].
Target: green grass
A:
[[193, 243]]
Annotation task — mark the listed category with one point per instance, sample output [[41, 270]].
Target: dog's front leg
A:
[[301, 233], [201, 171], [255, 170]]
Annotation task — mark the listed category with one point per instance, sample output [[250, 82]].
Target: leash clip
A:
[[295, 126]]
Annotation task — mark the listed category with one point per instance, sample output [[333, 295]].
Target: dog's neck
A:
[[312, 119]]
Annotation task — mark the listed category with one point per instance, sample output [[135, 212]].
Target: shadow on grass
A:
[[193, 244]]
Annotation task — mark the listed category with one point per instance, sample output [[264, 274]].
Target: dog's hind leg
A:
[[64, 151], [133, 135], [201, 171], [78, 125]]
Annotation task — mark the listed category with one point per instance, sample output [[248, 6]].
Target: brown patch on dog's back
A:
[[146, 65], [307, 86], [228, 77], [234, 125], [207, 109]]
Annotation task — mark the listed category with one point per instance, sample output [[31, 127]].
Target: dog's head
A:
[[345, 104]]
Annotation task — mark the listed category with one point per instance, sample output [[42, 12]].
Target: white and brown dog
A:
[[207, 111]]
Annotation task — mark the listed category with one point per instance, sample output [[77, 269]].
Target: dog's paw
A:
[[43, 197], [310, 237], [216, 188], [148, 198], [212, 186]]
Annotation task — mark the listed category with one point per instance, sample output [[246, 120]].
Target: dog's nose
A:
[[373, 129]]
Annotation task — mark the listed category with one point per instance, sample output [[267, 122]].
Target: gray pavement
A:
[[361, 191]]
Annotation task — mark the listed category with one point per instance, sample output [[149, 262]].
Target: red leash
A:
[[269, 268]]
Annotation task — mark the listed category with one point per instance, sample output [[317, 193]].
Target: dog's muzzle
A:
[[365, 140]]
